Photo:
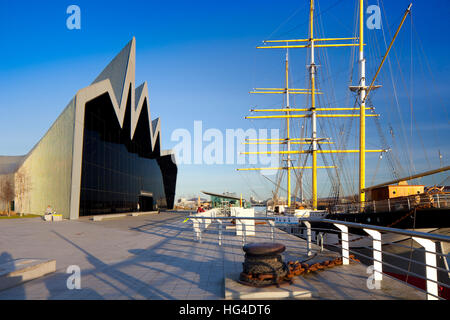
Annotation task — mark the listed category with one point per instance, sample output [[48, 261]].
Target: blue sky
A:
[[200, 61]]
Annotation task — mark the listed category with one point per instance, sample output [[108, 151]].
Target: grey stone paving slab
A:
[[154, 257]]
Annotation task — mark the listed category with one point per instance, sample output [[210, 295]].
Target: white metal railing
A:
[[426, 240], [438, 201]]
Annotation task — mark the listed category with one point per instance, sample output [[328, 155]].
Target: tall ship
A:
[[397, 202]]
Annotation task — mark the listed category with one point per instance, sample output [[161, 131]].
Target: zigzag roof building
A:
[[102, 154]]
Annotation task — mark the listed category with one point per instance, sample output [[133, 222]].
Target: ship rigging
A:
[[314, 111]]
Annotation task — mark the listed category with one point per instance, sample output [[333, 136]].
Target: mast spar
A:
[[314, 112]]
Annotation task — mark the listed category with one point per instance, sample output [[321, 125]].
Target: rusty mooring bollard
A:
[[263, 264]]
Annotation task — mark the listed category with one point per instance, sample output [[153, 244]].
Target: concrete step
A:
[[109, 216], [137, 214], [235, 290], [18, 271], [121, 215]]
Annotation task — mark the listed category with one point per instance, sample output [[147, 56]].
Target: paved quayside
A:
[[155, 257]]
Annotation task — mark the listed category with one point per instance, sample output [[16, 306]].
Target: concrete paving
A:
[[155, 257]]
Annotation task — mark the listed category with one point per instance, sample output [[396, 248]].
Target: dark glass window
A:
[[117, 171]]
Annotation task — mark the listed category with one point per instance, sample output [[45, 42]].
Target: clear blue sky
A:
[[200, 61]]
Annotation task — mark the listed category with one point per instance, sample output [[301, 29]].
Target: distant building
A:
[[395, 191], [102, 154], [254, 201], [226, 199]]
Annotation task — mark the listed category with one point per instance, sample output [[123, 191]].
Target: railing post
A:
[[272, 229], [308, 237], [344, 238], [389, 205], [374, 207], [320, 241], [431, 271], [243, 232], [196, 228], [377, 254], [220, 232], [409, 205], [437, 198]]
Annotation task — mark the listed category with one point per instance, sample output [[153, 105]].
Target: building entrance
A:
[[145, 203]]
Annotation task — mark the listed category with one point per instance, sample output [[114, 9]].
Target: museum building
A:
[[102, 154]]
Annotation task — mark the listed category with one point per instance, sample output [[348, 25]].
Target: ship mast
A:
[[312, 112], [363, 94], [288, 140], [362, 109], [312, 75]]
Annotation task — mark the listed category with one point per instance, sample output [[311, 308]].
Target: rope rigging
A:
[[399, 161]]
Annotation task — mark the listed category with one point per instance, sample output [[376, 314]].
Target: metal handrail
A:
[[398, 268], [424, 235], [426, 240], [437, 200], [384, 243]]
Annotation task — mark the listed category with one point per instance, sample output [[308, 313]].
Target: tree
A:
[[23, 186], [7, 193]]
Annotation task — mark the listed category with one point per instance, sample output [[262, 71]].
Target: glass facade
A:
[[221, 202], [118, 172]]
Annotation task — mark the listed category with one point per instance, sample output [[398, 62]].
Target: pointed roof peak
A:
[[117, 69]]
